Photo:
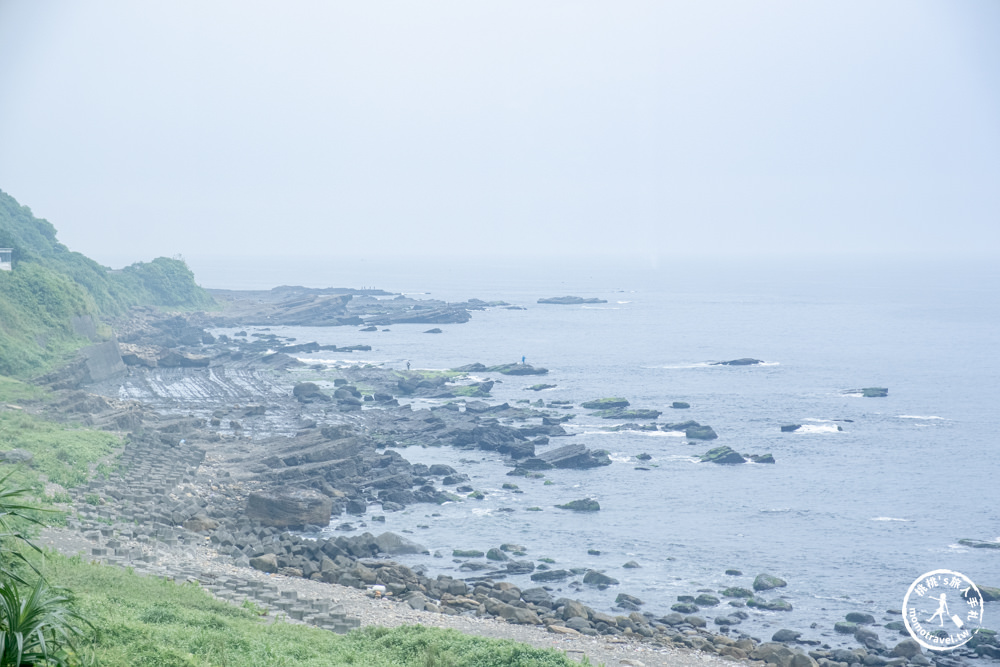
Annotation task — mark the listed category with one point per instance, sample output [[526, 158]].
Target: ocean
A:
[[849, 518]]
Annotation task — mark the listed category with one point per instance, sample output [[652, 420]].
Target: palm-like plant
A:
[[37, 628], [14, 510]]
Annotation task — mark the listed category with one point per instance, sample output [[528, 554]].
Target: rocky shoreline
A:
[[230, 454]]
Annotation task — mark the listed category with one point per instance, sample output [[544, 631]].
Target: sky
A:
[[563, 129]]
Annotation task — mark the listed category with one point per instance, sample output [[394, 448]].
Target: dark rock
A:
[[860, 618], [845, 627], [745, 361], [538, 596], [394, 545], [570, 300], [875, 392], [786, 636], [519, 567], [789, 428], [907, 649], [595, 578], [584, 505], [308, 392], [631, 599], [737, 592], [605, 404], [769, 605], [706, 600], [722, 455], [701, 433], [467, 553], [518, 369], [680, 405], [289, 507], [575, 456], [762, 458], [435, 330], [265, 563], [684, 607], [979, 544], [175, 359], [550, 575], [766, 582]]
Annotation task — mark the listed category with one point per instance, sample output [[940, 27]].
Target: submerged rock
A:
[[745, 361], [583, 505], [570, 300], [790, 428], [605, 404]]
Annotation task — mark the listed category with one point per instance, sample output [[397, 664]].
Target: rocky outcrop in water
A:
[[570, 300], [745, 361]]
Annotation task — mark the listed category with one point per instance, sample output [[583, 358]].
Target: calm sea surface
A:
[[849, 518]]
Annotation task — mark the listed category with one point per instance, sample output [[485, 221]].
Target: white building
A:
[[6, 255]]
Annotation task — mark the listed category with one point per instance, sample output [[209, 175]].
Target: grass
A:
[[15, 391], [144, 621], [62, 453]]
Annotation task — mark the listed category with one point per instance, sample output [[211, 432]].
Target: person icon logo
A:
[[927, 601]]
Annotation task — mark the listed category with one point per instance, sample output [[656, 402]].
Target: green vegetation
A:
[[51, 286], [38, 624], [62, 453], [14, 391], [150, 621]]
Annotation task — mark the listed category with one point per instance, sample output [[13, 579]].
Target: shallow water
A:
[[849, 518]]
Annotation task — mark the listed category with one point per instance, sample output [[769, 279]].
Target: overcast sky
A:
[[658, 128]]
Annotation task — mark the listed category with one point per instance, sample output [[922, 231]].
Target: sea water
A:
[[848, 516]]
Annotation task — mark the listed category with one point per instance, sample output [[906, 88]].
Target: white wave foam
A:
[[920, 417], [817, 428], [769, 363], [776, 510], [889, 518], [598, 308], [957, 547], [700, 364], [813, 419], [623, 302]]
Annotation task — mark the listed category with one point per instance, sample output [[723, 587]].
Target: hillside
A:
[[46, 300]]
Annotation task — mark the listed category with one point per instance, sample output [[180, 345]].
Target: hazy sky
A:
[[659, 128]]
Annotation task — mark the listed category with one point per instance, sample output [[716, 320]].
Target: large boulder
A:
[[290, 507], [265, 563], [700, 433], [308, 392], [765, 582], [393, 544], [575, 456], [175, 359]]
